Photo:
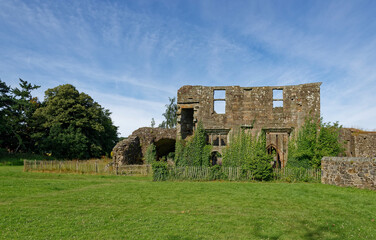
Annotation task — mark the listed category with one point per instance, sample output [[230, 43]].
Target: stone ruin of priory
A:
[[278, 111]]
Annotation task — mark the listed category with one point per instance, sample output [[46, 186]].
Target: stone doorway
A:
[[272, 150]]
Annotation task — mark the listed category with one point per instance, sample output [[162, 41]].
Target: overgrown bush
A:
[[216, 173], [193, 151], [160, 170], [150, 154], [249, 153], [313, 141]]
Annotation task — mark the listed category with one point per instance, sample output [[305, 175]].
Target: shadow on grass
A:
[[303, 230]]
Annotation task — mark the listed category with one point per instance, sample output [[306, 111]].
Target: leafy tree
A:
[[72, 125], [170, 114], [152, 123], [313, 141], [17, 108]]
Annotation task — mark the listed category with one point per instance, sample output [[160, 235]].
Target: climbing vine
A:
[[193, 151], [249, 153]]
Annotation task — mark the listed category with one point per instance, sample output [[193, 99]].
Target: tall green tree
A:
[[72, 125], [17, 108], [314, 140], [170, 114]]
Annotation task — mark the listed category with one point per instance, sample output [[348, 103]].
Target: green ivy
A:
[[151, 153], [249, 153], [193, 151]]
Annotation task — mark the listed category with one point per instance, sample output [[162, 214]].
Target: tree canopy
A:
[[170, 114], [72, 125]]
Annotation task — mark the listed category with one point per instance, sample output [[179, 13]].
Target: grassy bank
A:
[[66, 206]]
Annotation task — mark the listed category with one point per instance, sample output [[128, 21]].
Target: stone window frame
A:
[[277, 102], [219, 100]]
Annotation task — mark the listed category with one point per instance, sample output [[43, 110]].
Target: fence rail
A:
[[238, 174], [89, 166], [174, 173]]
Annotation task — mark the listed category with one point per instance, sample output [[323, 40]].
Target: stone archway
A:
[[164, 146], [273, 150]]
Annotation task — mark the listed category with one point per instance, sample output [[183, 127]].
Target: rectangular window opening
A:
[[277, 98], [220, 107], [219, 101], [187, 123], [219, 94]]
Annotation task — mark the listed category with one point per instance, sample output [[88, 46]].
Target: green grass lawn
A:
[[69, 206]]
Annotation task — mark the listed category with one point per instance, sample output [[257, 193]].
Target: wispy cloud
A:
[[131, 55]]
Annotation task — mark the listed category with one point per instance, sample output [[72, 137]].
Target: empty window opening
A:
[[223, 142], [219, 94], [187, 123], [277, 98], [216, 141], [219, 107], [220, 101]]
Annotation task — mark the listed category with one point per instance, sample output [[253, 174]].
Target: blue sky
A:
[[130, 56]]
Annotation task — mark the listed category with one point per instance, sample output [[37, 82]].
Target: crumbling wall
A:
[[358, 143], [349, 171], [253, 108], [133, 149], [128, 151]]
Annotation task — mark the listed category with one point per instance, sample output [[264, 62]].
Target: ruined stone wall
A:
[[349, 171], [254, 108], [358, 143], [132, 150]]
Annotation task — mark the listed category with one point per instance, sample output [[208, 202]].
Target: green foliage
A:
[[193, 151], [151, 154], [72, 125], [160, 170], [249, 153], [16, 109], [314, 140], [170, 114], [216, 173]]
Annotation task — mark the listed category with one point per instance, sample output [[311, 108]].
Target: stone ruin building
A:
[[278, 111]]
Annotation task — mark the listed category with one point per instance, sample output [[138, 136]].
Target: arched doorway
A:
[[272, 150], [164, 146], [215, 158]]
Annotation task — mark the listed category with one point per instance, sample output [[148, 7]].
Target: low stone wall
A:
[[349, 171]]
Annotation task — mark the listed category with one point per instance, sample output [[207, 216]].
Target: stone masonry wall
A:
[[349, 171], [252, 108], [358, 143]]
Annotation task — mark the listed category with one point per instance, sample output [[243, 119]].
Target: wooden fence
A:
[[174, 173], [237, 174], [88, 167]]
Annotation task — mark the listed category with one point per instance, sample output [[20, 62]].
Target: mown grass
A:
[[71, 206]]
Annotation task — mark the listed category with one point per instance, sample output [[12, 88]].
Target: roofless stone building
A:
[[278, 111]]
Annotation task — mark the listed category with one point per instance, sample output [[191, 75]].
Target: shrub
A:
[[314, 140], [249, 153], [160, 171], [193, 151]]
